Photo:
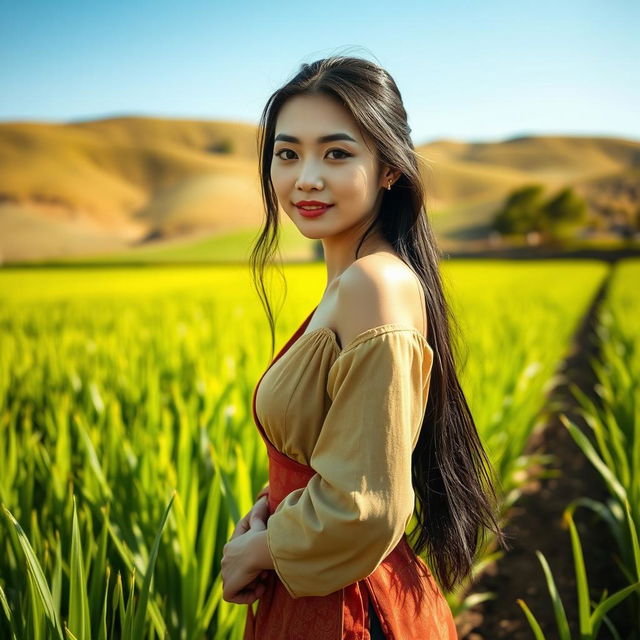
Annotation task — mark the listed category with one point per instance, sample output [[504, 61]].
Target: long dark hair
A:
[[451, 473]]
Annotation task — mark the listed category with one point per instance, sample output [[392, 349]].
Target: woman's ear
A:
[[389, 174]]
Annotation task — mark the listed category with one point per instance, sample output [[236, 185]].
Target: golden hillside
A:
[[99, 186]]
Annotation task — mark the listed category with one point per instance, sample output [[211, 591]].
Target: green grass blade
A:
[[35, 609], [533, 623], [127, 556], [226, 487], [117, 605], [207, 538], [558, 608], [609, 603], [98, 570], [127, 626], [56, 582], [79, 619], [141, 613], [93, 460], [35, 571], [582, 584], [69, 635], [102, 622], [633, 533], [7, 612], [614, 485], [614, 633]]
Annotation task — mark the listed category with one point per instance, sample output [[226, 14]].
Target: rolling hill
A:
[[141, 186]]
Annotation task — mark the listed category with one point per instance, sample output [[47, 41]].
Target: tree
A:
[[521, 211], [563, 211]]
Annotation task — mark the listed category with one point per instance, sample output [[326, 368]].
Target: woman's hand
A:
[[241, 583], [259, 511]]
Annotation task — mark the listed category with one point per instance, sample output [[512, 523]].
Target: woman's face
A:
[[342, 173]]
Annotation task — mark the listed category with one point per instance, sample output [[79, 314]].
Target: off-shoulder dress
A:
[[347, 418]]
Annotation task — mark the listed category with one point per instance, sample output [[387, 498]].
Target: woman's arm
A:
[[260, 551], [354, 510]]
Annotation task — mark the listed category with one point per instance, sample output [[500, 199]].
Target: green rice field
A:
[[128, 450]]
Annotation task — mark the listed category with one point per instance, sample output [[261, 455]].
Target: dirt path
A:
[[536, 521]]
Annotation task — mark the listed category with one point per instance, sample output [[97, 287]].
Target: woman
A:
[[361, 411]]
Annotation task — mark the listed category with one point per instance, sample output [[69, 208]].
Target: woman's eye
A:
[[344, 154], [283, 151]]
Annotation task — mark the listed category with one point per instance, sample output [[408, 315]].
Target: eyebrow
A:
[[330, 138]]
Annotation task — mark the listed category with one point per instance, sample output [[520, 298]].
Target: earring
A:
[[389, 186]]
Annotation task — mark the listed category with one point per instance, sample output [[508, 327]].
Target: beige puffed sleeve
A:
[[355, 509]]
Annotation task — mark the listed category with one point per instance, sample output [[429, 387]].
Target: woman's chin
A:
[[312, 234]]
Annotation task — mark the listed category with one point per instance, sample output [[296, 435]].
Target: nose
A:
[[309, 178]]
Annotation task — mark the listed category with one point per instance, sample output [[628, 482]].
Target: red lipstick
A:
[[312, 208]]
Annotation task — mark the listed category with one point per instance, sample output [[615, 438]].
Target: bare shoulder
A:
[[378, 289]]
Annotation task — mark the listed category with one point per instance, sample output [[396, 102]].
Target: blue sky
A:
[[475, 71]]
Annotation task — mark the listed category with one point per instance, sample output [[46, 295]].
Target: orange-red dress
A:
[[340, 425]]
